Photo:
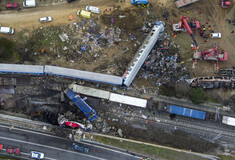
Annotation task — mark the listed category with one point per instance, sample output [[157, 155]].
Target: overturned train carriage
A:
[[142, 54]]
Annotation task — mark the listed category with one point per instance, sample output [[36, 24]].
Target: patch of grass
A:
[[197, 95], [212, 99], [8, 157], [167, 91], [151, 151], [7, 50], [223, 157]]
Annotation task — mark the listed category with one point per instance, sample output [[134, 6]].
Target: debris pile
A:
[[163, 63]]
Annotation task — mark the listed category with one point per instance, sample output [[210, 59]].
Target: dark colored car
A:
[[11, 5], [70, 1], [80, 148], [13, 150]]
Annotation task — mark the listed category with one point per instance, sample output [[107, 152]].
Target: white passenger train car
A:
[[93, 92], [142, 54], [128, 100], [85, 75], [228, 120], [20, 68]]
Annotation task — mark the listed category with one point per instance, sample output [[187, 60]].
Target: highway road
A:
[[57, 148]]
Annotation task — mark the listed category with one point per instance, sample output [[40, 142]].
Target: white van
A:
[[93, 9], [6, 30], [29, 3], [215, 35]]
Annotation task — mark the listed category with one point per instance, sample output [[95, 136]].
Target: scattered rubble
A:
[[163, 64]]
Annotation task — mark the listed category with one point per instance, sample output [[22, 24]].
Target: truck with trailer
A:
[[182, 3], [186, 112], [228, 120]]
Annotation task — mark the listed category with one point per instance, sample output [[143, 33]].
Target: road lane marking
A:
[[10, 139], [66, 139], [27, 154], [15, 128], [110, 149]]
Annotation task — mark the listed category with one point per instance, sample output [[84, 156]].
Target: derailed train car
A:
[[186, 112], [85, 75], [21, 69]]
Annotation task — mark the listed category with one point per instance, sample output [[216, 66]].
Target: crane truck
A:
[[211, 55], [183, 25]]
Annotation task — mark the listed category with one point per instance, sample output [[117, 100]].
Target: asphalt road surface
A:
[[56, 147]]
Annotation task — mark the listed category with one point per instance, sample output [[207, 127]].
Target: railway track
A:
[[181, 124]]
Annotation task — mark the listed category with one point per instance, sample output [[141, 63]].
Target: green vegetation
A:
[[182, 90], [167, 91], [212, 99], [7, 50], [8, 157], [226, 157], [147, 150], [197, 95]]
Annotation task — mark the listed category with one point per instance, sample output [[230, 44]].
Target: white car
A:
[[215, 35], [37, 155], [93, 9], [45, 19], [6, 30]]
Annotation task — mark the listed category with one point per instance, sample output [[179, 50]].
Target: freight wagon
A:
[[186, 112]]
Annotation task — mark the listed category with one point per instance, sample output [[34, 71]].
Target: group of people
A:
[[204, 33]]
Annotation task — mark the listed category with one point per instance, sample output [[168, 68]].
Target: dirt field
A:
[[216, 16], [28, 18]]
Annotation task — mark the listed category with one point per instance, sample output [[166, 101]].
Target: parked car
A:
[[84, 14], [70, 1], [93, 9], [13, 150], [1, 146], [12, 6], [80, 148], [29, 3], [45, 19], [215, 35], [37, 155], [6, 30]]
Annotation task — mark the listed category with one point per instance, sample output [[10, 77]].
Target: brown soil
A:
[[28, 18]]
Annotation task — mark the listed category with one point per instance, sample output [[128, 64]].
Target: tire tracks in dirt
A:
[[28, 18]]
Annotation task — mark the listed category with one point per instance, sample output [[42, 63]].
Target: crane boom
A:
[[186, 26]]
